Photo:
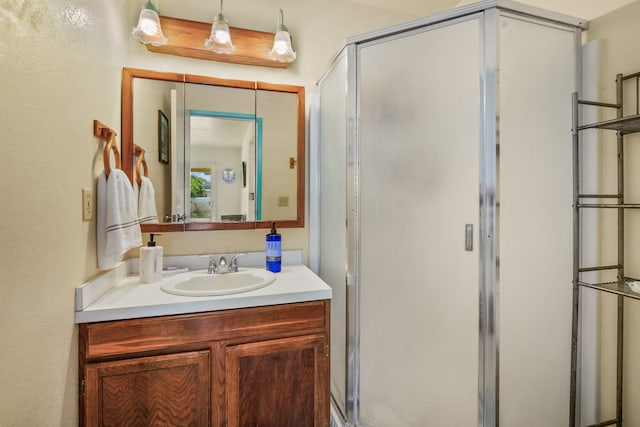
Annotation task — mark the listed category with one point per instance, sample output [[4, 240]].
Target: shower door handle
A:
[[468, 237]]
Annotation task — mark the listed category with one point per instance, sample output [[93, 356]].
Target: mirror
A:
[[222, 145], [221, 154]]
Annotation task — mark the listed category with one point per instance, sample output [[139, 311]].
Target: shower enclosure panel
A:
[[418, 194], [444, 218], [537, 67], [332, 213]]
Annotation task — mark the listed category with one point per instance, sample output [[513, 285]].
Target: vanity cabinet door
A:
[[278, 383], [167, 390]]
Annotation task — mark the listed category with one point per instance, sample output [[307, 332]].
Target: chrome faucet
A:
[[213, 267], [233, 265], [221, 266]]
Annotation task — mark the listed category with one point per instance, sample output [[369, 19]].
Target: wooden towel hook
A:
[[103, 131], [109, 147], [140, 161]]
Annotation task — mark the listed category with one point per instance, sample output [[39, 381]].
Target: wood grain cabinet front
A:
[[168, 390], [277, 383], [261, 366]]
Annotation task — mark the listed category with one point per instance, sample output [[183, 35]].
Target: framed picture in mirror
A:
[[163, 137], [244, 174]]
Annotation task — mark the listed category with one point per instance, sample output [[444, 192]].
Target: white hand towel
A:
[[146, 197], [118, 228]]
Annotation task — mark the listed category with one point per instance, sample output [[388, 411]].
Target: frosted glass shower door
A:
[[419, 139], [332, 175]]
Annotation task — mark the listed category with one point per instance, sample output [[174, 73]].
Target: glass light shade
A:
[[149, 29], [282, 50], [220, 39]]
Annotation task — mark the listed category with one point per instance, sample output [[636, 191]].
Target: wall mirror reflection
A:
[[235, 149], [223, 144]]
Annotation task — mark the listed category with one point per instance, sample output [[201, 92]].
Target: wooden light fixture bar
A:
[[186, 38]]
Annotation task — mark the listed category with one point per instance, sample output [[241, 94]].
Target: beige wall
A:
[[619, 39], [60, 66], [278, 111], [60, 69]]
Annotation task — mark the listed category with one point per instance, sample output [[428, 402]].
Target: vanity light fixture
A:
[[149, 29], [220, 39], [282, 50], [249, 47]]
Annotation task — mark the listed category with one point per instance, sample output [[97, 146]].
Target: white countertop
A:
[[119, 294]]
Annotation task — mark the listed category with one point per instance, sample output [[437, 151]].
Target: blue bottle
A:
[[274, 250]]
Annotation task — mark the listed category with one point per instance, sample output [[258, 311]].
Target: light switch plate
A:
[[87, 204]]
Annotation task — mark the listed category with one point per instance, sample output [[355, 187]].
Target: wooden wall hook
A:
[[102, 131]]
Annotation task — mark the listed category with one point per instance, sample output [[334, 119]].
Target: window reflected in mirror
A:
[[202, 208]]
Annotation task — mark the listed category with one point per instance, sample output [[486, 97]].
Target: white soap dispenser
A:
[[151, 262]]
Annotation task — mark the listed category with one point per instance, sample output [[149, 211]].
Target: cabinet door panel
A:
[[279, 383], [169, 390]]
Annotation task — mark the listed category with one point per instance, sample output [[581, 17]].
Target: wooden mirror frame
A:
[[127, 149]]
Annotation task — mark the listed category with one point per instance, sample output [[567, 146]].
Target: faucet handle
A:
[[234, 262], [213, 267]]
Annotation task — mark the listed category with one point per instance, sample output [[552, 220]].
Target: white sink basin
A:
[[199, 283]]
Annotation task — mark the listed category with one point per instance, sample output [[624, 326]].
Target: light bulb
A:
[[222, 36], [282, 43], [148, 27]]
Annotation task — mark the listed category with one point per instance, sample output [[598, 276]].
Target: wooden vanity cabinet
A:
[[261, 366]]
